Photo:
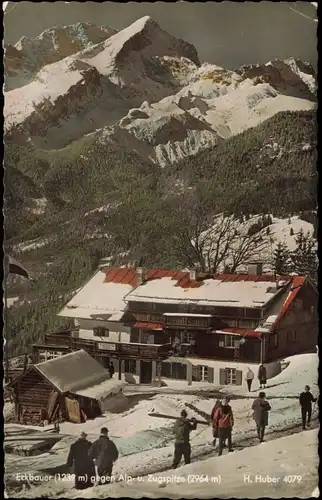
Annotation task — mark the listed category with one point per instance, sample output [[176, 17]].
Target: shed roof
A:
[[102, 390], [74, 371]]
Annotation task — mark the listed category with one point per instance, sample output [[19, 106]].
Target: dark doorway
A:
[[105, 362], [145, 372]]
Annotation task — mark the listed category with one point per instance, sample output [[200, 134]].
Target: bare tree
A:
[[197, 238]]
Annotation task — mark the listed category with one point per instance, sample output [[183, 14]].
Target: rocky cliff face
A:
[[27, 57], [290, 77], [75, 80]]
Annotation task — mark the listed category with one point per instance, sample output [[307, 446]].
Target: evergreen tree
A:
[[304, 260], [282, 259]]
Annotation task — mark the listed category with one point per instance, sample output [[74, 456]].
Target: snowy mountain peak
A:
[[146, 36]]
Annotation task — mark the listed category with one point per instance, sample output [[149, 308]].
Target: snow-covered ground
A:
[[286, 467], [146, 445]]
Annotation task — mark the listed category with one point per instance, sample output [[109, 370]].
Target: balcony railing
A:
[[117, 349]]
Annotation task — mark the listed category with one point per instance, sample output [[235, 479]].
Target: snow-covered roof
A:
[[74, 371], [97, 297], [102, 390], [214, 292]]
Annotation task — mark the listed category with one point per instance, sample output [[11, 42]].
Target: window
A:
[[166, 370], [230, 342], [230, 376], [298, 304], [275, 340], [130, 366], [100, 331], [188, 338], [144, 317], [177, 371], [147, 337], [246, 323], [134, 336], [231, 322], [291, 336], [200, 373]]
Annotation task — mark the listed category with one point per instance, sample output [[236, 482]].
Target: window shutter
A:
[[239, 377], [195, 373], [210, 375], [222, 376]]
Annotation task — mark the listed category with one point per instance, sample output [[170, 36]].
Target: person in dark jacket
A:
[[83, 466], [262, 377], [111, 369], [212, 418], [105, 453], [181, 430], [261, 408], [224, 420], [306, 400]]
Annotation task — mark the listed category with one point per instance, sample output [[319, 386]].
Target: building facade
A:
[[156, 325]]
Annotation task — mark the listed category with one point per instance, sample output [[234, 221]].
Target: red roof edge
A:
[[243, 332], [298, 282], [149, 326]]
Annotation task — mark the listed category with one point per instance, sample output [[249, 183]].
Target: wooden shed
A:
[[71, 387]]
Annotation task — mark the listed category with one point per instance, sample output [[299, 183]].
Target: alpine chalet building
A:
[[169, 324]]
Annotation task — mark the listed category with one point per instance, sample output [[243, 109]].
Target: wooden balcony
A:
[[187, 322], [59, 343]]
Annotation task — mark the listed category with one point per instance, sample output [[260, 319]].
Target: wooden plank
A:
[[73, 410], [51, 403], [171, 417], [54, 413]]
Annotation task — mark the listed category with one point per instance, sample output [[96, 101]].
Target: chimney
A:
[[192, 274], [140, 275], [255, 269]]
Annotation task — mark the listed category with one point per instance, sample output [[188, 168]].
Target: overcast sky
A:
[[228, 34]]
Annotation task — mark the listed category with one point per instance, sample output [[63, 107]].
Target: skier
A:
[[262, 376], [111, 369], [212, 418], [182, 429], [224, 420], [84, 468], [306, 399], [261, 408], [249, 378], [105, 453]]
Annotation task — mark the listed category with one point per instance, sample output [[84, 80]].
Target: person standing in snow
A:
[[111, 369], [105, 453], [261, 408], [306, 400], [83, 466], [212, 418], [181, 430], [224, 421], [262, 377], [249, 378]]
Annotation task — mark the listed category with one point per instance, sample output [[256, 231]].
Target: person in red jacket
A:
[[224, 420], [212, 418]]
